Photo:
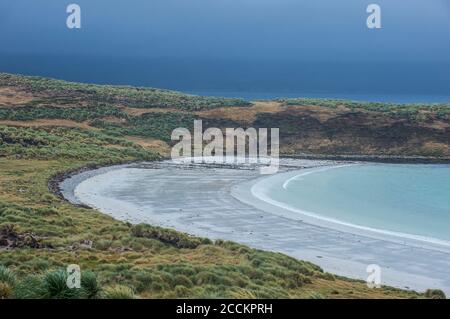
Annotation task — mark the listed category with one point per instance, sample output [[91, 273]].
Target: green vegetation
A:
[[119, 292], [415, 111], [78, 114], [156, 125], [435, 294], [167, 236], [307, 126], [58, 92], [50, 285], [60, 143]]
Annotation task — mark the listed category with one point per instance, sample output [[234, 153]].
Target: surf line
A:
[[316, 218], [314, 170]]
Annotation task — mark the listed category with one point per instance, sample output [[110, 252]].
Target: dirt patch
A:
[[243, 114], [267, 106], [114, 120], [320, 113], [13, 97], [139, 111], [47, 123], [11, 238], [437, 125], [435, 148], [157, 145]]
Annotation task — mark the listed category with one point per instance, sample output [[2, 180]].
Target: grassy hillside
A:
[[50, 92], [307, 126], [40, 234], [419, 112], [323, 127]]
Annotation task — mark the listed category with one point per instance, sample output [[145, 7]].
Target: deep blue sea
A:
[[397, 82], [358, 97]]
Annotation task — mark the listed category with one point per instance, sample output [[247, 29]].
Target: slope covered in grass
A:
[[307, 126], [62, 93]]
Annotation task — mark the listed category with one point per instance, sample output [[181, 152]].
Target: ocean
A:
[[411, 201], [396, 82]]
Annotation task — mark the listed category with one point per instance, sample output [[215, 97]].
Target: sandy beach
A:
[[217, 202]]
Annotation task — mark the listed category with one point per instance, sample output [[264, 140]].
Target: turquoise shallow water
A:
[[407, 199]]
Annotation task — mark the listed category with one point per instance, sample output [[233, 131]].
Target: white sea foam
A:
[[297, 177]]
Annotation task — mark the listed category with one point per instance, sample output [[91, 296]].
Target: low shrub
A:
[[181, 291], [5, 290], [168, 236], [55, 286], [316, 295], [435, 294], [91, 289], [30, 287], [118, 292], [7, 276]]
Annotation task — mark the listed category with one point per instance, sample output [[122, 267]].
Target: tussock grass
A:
[[7, 276], [119, 292], [435, 294]]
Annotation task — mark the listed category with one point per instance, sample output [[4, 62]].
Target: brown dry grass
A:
[[243, 114], [156, 145], [248, 114], [436, 148], [47, 123], [137, 111], [14, 97], [320, 113], [114, 120], [437, 125]]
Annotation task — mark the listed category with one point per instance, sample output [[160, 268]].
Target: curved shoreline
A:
[[210, 210], [252, 193], [55, 182]]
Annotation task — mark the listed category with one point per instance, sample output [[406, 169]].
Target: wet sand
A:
[[216, 202]]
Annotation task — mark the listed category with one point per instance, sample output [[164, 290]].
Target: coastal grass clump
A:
[[435, 294], [7, 276], [49, 285], [171, 237], [119, 292]]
